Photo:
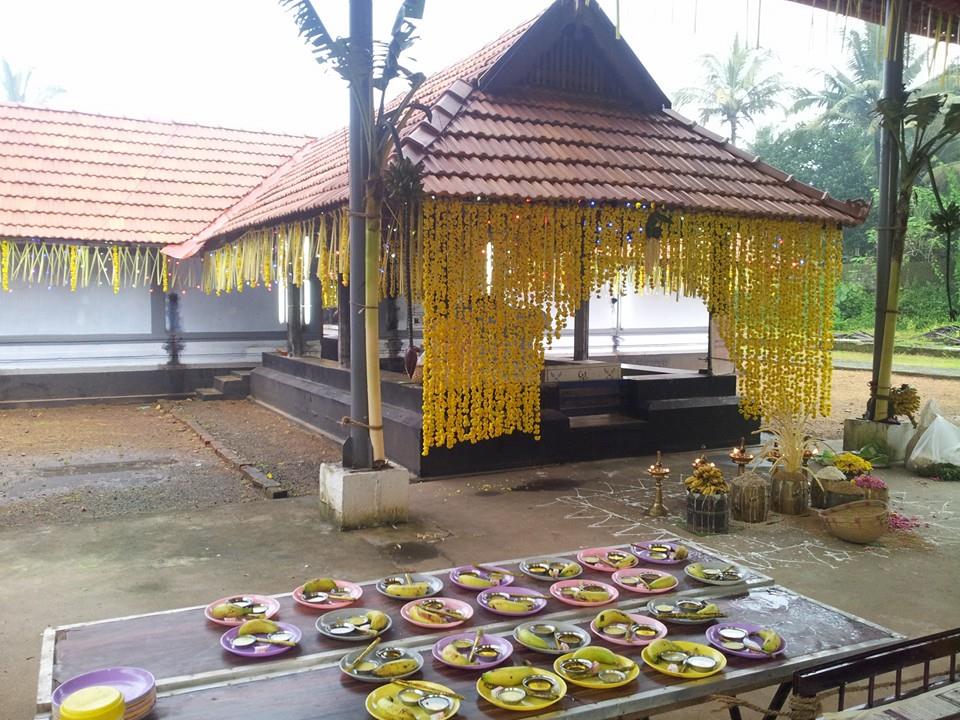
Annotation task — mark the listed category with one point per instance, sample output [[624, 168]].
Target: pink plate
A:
[[483, 599], [557, 587], [355, 592], [636, 642], [506, 577], [642, 550], [619, 575], [260, 650], [448, 603], [272, 604], [601, 553]]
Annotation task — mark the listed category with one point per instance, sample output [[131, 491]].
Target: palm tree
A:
[[735, 88], [16, 87]]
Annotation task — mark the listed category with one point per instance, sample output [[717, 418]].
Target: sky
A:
[[240, 63]]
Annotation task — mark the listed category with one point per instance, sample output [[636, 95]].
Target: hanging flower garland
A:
[[499, 280]]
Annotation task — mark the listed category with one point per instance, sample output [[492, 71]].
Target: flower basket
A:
[[749, 498], [830, 493], [859, 522], [789, 492], [708, 514], [881, 494]]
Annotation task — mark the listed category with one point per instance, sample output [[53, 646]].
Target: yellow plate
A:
[[687, 647], [595, 682], [391, 690], [529, 703]]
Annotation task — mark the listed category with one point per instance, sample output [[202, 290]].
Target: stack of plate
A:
[[138, 687]]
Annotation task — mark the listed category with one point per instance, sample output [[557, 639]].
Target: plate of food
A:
[[746, 640], [630, 629], [607, 559], [682, 659], [353, 624], [717, 574], [660, 552], [378, 664], [437, 612], [480, 577], [553, 638], [472, 650], [596, 667], [409, 586], [512, 601], [685, 611], [550, 568], [521, 688], [261, 638], [646, 581], [405, 699], [584, 594], [235, 610], [327, 594]]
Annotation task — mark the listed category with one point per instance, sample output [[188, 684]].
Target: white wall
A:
[[88, 311], [253, 310]]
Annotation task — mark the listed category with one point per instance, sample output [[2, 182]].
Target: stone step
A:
[[210, 394], [232, 386]]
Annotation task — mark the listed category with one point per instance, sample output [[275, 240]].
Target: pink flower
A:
[[871, 482], [899, 521]]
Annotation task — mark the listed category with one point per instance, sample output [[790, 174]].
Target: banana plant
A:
[[920, 128], [382, 130]]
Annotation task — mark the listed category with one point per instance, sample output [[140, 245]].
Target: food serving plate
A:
[[715, 636], [331, 600], [637, 579], [714, 575], [376, 658], [529, 702], [495, 650], [477, 577], [390, 693], [134, 684], [549, 568], [270, 605], [607, 559], [549, 637], [434, 585], [629, 637], [658, 610], [538, 603], [335, 624], [594, 680], [572, 592], [259, 649], [436, 605], [659, 552], [675, 669]]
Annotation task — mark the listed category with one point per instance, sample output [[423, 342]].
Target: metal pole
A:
[[889, 174], [356, 451]]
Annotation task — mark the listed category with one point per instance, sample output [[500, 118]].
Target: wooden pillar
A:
[[581, 332], [343, 324]]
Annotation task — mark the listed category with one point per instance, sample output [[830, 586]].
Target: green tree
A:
[[16, 87], [736, 89]]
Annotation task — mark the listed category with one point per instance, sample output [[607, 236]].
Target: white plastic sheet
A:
[[939, 443]]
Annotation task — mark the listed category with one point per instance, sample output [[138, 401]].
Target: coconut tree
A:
[[16, 87], [381, 124], [736, 89]]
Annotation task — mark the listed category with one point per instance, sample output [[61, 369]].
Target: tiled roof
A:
[[91, 178], [543, 145]]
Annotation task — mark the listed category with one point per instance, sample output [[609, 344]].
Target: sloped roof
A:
[[80, 177], [492, 140]]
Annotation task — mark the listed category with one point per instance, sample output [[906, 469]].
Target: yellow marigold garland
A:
[[769, 283]]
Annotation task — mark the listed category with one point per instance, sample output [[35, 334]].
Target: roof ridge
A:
[[176, 123], [120, 164]]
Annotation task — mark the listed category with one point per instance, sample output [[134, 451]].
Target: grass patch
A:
[[918, 361]]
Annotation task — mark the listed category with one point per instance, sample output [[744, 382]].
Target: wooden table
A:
[[197, 680]]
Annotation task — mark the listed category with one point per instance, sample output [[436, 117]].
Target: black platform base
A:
[[644, 412]]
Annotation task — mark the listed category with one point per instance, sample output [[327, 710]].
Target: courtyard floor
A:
[[117, 510]]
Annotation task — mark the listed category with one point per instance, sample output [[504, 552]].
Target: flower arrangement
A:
[[707, 479], [791, 444], [869, 482], [852, 465]]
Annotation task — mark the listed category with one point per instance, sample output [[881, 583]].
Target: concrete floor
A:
[[67, 573]]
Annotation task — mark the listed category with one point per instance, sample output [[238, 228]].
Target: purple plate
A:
[[642, 551], [484, 600], [260, 650], [713, 636], [506, 650], [506, 578], [133, 683]]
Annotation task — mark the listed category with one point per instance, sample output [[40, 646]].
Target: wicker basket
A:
[[863, 521]]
